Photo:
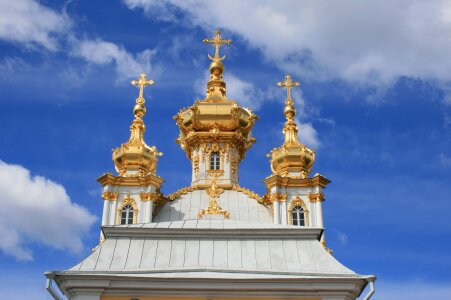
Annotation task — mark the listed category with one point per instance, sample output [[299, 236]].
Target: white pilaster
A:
[[319, 214], [276, 212], [284, 212], [148, 211], [106, 212]]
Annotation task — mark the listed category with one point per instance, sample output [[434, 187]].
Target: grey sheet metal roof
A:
[[195, 247], [240, 206]]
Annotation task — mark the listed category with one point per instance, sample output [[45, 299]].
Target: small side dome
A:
[[135, 157], [292, 159]]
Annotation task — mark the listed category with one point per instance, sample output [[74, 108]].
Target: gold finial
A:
[[288, 84], [217, 41], [141, 83]]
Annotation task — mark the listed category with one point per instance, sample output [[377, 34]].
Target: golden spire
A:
[[135, 157], [217, 41], [213, 207], [290, 129], [292, 159], [216, 87]]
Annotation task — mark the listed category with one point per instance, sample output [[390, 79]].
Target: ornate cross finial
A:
[[217, 41], [288, 84], [141, 83]]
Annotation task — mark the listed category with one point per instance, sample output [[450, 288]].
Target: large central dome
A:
[[216, 118]]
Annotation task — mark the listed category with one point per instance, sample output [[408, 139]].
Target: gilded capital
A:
[[110, 196], [148, 196], [317, 197]]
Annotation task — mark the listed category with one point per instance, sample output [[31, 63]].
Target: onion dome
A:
[[135, 158], [215, 119], [292, 159]]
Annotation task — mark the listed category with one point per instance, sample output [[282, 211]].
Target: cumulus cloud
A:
[[362, 42], [308, 135], [242, 91], [35, 209], [30, 23], [103, 52]]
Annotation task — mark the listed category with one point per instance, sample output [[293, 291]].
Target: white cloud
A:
[[35, 209], [362, 42], [244, 92], [308, 135], [241, 91], [101, 52], [30, 23]]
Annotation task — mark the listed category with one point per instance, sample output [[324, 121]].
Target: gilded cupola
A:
[[135, 158], [215, 124], [292, 159]]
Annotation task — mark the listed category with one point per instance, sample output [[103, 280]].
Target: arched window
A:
[[127, 214], [298, 216], [215, 161]]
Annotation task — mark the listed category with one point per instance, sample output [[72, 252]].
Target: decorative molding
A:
[[110, 179], [196, 164], [298, 202], [110, 196], [215, 172], [278, 197], [125, 201], [249, 193], [316, 197], [148, 196], [180, 192], [311, 182]]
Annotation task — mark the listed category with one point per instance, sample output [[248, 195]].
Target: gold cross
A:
[[288, 84], [141, 83], [217, 41]]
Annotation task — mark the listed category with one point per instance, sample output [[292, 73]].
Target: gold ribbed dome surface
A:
[[135, 157], [292, 159]]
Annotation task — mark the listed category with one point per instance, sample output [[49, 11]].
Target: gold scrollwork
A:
[[213, 207], [148, 196], [110, 196], [180, 192], [278, 197], [196, 164]]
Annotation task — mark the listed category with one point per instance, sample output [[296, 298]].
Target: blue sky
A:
[[374, 103]]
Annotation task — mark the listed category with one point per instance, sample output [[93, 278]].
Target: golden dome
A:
[[215, 118], [292, 159], [135, 158]]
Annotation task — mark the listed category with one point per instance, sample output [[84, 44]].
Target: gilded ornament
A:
[[180, 192], [277, 197], [196, 164], [249, 193], [317, 197], [110, 196], [148, 196], [217, 42], [213, 207]]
